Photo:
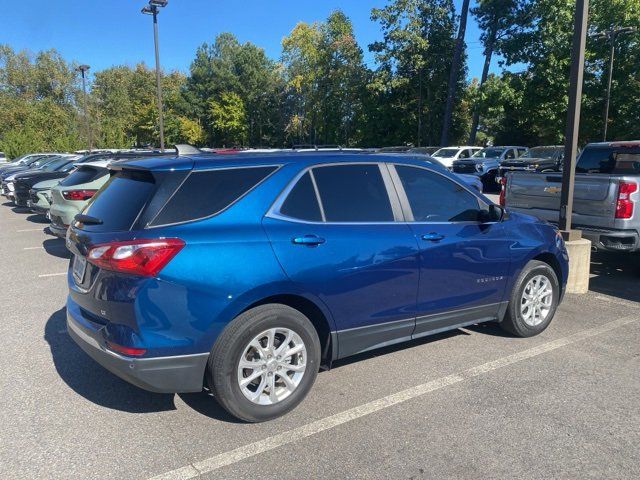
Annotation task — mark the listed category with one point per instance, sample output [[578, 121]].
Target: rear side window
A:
[[205, 193], [435, 198], [353, 193], [84, 175], [622, 160], [121, 200], [302, 202]]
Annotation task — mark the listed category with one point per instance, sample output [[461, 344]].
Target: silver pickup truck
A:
[[606, 202]]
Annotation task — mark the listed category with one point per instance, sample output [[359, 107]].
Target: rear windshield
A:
[[121, 200], [205, 193], [84, 175], [612, 160]]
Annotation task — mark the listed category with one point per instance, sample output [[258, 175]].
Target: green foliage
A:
[[321, 92], [227, 118]]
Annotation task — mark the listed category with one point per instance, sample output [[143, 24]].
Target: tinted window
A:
[[510, 154], [435, 198], [353, 193], [302, 202], [84, 175], [616, 160], [205, 193], [121, 200], [464, 154]]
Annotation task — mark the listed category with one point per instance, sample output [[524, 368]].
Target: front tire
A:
[[264, 362], [533, 301]]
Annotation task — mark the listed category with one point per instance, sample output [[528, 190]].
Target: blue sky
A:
[[113, 32]]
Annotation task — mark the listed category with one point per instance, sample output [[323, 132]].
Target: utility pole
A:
[[83, 70], [610, 35], [573, 119], [152, 9]]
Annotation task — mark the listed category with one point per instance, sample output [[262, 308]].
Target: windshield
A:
[[540, 152], [491, 152], [446, 152]]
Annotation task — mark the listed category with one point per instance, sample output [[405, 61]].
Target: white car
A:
[[448, 155]]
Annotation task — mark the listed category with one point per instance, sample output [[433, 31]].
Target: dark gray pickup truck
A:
[[606, 204]]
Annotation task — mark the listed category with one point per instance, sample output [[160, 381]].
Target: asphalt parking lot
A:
[[473, 403]]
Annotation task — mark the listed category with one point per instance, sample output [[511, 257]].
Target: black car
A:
[[21, 183], [538, 159]]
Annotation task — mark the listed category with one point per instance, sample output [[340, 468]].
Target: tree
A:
[[228, 119], [415, 61], [453, 74], [496, 19]]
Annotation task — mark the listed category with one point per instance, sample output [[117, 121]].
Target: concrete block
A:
[[579, 263]]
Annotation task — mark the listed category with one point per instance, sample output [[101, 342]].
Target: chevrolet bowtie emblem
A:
[[552, 189]]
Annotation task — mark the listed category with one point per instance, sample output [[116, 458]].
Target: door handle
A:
[[432, 237], [311, 240]]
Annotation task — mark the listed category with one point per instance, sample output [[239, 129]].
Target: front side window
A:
[[353, 193], [464, 154], [511, 154], [435, 198]]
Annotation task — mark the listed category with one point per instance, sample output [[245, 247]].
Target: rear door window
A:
[[206, 193], [353, 193]]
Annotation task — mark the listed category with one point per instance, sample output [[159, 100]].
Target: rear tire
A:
[[534, 300], [251, 357]]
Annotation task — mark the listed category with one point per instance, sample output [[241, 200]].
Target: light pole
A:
[[83, 70], [152, 9], [573, 119], [610, 35]]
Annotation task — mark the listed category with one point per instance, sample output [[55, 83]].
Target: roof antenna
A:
[[186, 149]]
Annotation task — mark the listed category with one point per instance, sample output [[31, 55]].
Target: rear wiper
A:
[[87, 219]]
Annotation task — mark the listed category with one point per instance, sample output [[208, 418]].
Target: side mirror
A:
[[495, 213]]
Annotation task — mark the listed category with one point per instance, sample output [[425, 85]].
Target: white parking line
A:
[[31, 229], [45, 275], [234, 456], [33, 248]]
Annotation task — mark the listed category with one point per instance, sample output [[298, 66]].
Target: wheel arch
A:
[[551, 260], [316, 315]]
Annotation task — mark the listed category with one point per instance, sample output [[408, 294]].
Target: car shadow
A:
[[7, 204], [85, 377], [205, 404], [37, 218], [17, 209], [490, 328], [56, 247], [616, 274]]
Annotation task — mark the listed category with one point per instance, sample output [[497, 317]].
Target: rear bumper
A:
[[612, 240], [58, 230], [174, 374]]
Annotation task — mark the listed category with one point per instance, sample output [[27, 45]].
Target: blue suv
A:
[[247, 273]]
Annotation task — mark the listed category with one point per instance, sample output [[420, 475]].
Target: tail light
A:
[[78, 194], [503, 188], [144, 257], [624, 205]]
